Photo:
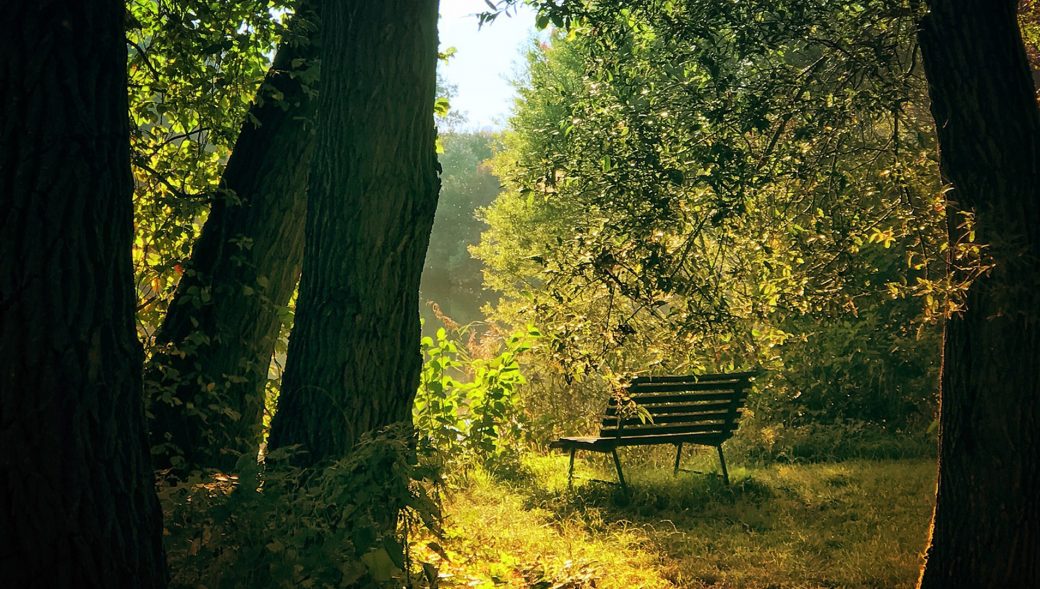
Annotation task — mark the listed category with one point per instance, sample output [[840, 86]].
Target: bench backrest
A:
[[702, 408]]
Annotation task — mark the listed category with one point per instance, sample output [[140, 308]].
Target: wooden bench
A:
[[694, 409]]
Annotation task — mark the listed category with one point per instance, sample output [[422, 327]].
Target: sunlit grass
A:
[[850, 524], [496, 537]]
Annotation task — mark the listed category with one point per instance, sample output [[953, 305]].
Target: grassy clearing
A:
[[851, 524]]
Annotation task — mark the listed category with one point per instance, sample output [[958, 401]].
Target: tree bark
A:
[[353, 361], [986, 524], [207, 381], [78, 506]]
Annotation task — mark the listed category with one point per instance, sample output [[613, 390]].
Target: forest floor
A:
[[853, 524]]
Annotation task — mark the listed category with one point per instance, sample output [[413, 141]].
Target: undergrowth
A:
[[280, 526]]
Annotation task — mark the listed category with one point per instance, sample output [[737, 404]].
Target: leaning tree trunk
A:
[[77, 498], [353, 361], [986, 525], [207, 379]]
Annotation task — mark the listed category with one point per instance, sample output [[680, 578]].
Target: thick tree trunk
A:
[[77, 498], [206, 383], [353, 361], [986, 525]]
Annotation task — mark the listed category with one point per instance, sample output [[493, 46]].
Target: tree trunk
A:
[[986, 524], [77, 498], [353, 361], [207, 381]]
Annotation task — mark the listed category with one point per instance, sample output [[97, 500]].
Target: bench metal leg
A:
[[617, 464], [570, 472], [678, 454], [722, 461]]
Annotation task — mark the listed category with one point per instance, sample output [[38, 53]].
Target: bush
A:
[[283, 526], [467, 408], [880, 366], [765, 442]]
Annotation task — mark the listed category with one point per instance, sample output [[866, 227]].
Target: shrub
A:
[[764, 442], [282, 526], [468, 406]]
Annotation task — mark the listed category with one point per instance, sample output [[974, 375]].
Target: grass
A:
[[855, 524]]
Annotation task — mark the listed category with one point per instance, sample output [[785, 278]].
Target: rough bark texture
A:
[[353, 361], [77, 499], [986, 525], [207, 381]]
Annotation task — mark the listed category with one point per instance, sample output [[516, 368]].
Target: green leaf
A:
[[380, 565]]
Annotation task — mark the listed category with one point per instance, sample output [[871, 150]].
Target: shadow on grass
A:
[[854, 524], [651, 491]]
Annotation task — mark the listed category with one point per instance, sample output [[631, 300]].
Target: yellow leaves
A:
[[769, 435], [441, 106], [770, 336], [915, 261], [850, 306], [771, 293], [884, 237]]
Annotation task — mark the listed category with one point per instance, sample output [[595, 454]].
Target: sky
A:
[[485, 60]]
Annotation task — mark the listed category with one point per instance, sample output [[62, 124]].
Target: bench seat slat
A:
[[695, 377], [673, 418], [636, 389], [710, 439], [602, 444], [690, 408], [719, 426], [650, 399]]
